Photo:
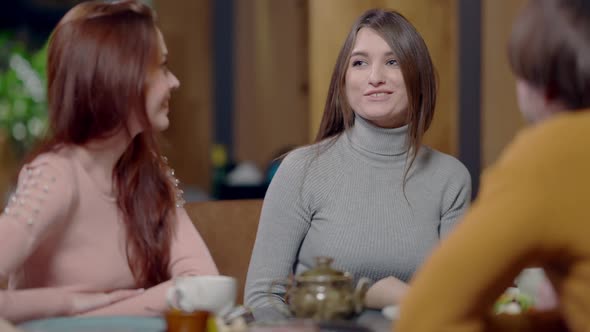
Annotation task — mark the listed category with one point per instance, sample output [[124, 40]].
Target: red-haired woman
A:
[[96, 213]]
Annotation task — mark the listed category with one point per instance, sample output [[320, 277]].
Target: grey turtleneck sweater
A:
[[345, 200]]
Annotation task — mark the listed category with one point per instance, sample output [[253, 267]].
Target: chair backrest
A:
[[229, 230]]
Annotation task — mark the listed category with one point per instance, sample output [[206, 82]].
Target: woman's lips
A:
[[378, 96]]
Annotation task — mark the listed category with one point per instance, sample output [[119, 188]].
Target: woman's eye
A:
[[392, 62], [357, 63]]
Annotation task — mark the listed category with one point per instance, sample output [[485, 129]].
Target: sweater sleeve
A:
[[188, 256], [456, 199], [284, 222], [40, 204], [456, 288], [26, 304]]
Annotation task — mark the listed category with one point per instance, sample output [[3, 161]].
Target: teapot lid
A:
[[323, 272]]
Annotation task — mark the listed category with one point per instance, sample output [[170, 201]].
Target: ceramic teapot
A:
[[324, 293]]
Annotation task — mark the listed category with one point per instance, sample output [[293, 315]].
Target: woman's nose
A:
[[376, 76], [175, 83]]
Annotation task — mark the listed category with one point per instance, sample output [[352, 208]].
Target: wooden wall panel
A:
[[187, 31], [271, 107], [8, 169], [500, 116], [436, 20]]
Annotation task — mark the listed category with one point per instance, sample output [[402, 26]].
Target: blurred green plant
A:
[[23, 104]]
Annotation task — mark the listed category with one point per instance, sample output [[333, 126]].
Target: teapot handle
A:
[[359, 293], [276, 303]]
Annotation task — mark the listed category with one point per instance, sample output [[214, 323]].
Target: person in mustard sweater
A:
[[532, 209]]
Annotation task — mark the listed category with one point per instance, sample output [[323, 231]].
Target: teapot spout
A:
[[359, 294]]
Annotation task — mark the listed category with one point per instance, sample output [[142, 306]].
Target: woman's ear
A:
[[531, 100], [537, 104]]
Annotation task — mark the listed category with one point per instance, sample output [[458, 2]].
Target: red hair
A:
[[98, 59]]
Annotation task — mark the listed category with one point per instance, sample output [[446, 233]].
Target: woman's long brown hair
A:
[[417, 70], [98, 58]]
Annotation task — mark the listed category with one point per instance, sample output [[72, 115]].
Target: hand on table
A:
[[385, 292], [80, 302]]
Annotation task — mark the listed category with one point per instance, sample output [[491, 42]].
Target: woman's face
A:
[[160, 83], [375, 86]]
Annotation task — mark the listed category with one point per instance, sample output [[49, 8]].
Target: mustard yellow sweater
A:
[[533, 209]]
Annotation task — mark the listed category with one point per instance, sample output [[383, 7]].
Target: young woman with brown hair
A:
[[367, 193], [97, 209]]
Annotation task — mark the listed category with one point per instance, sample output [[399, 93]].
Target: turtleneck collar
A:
[[373, 141]]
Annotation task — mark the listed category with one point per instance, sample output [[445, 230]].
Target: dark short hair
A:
[[550, 48]]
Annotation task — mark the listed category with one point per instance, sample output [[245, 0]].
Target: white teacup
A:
[[216, 294]]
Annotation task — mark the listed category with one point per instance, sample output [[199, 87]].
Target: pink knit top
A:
[[62, 232]]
